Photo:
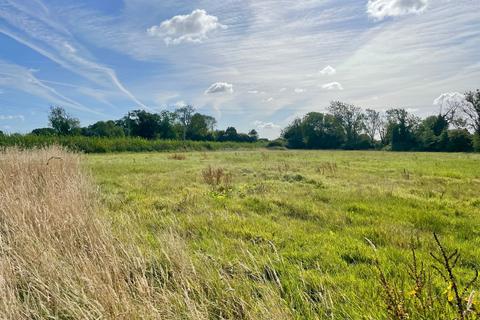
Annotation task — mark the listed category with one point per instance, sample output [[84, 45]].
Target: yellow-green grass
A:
[[300, 218]]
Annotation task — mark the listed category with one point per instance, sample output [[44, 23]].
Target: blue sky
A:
[[250, 63]]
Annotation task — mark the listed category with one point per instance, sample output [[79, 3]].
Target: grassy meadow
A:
[[291, 234]]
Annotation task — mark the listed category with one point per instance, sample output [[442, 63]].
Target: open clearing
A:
[[299, 218]]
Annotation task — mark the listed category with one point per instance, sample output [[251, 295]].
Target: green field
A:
[[295, 222]]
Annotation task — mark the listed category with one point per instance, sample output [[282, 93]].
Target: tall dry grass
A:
[[60, 260]]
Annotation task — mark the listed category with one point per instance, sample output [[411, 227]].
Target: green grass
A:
[[301, 217]]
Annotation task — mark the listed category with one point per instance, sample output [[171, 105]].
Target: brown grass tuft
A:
[[178, 156]]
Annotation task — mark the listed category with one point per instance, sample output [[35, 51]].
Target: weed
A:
[[178, 156], [327, 168], [217, 177], [425, 300]]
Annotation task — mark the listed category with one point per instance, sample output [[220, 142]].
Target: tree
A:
[[62, 122], [322, 131], [184, 116], [401, 129], [104, 129], [432, 133], [1, 133], [140, 123], [293, 134], [166, 125], [373, 123], [253, 135], [351, 118], [197, 128], [472, 109], [315, 131], [44, 132], [211, 122], [459, 140]]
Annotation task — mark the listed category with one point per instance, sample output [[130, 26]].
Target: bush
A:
[[278, 143], [459, 141], [120, 144]]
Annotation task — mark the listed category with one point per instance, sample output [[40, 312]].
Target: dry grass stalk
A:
[[178, 156], [60, 259]]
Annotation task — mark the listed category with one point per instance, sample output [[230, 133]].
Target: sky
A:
[[252, 64]]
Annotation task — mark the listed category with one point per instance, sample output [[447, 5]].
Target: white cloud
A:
[[299, 90], [220, 87], [328, 70], [449, 98], [332, 86], [266, 125], [380, 9], [12, 117], [253, 91], [271, 99], [283, 89], [193, 27]]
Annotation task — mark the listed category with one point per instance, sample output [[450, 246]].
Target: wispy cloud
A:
[[41, 32], [380, 9], [332, 86], [20, 78], [12, 117], [328, 70], [220, 87]]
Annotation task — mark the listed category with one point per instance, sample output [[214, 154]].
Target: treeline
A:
[[182, 124], [456, 128]]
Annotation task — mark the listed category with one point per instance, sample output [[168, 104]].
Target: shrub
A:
[[119, 144]]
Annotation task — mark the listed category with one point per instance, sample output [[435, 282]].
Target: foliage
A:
[[121, 144], [109, 129], [351, 119], [62, 122]]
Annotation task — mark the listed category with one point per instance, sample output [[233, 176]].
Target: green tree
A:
[[44, 132], [197, 128], [293, 134], [401, 129], [62, 122], [351, 119], [253, 135], [104, 129], [459, 140], [184, 116], [323, 131], [140, 123]]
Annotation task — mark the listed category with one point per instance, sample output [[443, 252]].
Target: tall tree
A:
[[401, 128], [184, 116], [350, 118], [62, 122], [140, 123], [472, 109], [373, 123], [253, 134]]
